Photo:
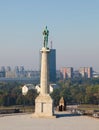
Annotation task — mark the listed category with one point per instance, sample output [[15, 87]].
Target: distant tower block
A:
[[51, 45], [44, 103]]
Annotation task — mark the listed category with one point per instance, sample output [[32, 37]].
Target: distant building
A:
[[22, 72], [66, 72], [9, 73], [58, 74], [2, 74], [52, 65], [22, 69], [2, 71], [86, 72], [8, 68], [16, 70], [76, 74], [96, 74]]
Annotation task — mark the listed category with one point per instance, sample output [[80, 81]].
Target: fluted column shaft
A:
[[44, 71]]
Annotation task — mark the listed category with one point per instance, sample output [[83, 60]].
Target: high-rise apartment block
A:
[[2, 71], [52, 65], [86, 72], [66, 72]]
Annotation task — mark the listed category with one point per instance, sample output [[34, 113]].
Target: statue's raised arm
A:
[[45, 35]]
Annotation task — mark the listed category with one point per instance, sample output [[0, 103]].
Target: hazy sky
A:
[[73, 27]]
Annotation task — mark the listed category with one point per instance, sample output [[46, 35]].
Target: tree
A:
[[56, 96]]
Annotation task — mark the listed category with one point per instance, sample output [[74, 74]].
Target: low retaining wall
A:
[[8, 111]]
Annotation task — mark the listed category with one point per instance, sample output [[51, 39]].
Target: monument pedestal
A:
[[44, 106]]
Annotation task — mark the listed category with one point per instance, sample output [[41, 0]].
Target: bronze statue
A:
[[45, 34]]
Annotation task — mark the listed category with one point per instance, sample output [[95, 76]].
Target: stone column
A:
[[44, 71]]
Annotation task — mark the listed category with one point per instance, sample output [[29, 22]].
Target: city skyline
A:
[[73, 30]]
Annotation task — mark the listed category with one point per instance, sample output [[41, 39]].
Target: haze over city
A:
[[73, 29]]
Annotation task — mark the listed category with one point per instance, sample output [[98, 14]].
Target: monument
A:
[[44, 103]]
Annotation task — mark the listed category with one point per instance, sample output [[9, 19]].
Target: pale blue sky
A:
[[73, 26]]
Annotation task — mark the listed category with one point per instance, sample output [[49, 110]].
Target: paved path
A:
[[65, 121]]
